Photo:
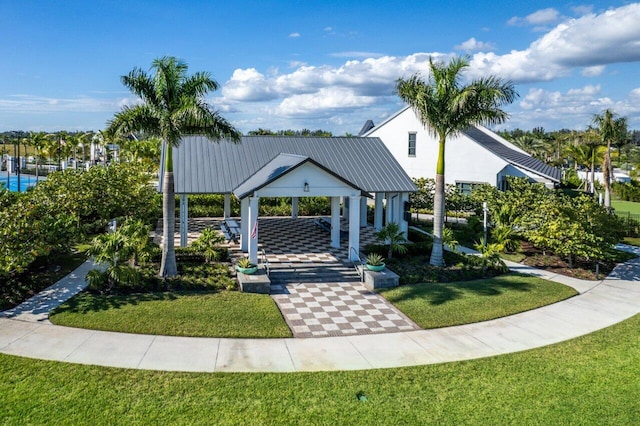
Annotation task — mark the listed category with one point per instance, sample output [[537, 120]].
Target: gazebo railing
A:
[[357, 265]]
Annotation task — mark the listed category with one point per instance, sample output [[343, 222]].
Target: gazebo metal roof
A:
[[201, 166]]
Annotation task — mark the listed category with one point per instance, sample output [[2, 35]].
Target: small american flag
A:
[[254, 231]]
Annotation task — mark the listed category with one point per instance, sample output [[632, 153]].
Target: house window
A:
[[467, 187], [412, 144]]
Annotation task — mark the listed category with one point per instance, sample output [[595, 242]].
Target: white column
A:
[[388, 217], [294, 207], [404, 225], [244, 224], [354, 227], [335, 222], [254, 203], [184, 220], [377, 221], [363, 212], [227, 206]]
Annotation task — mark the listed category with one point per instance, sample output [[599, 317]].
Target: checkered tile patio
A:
[[338, 309], [300, 251]]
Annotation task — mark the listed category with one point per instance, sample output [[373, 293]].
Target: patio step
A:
[[312, 273]]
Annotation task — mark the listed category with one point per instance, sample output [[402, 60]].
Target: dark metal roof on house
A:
[[368, 125], [202, 166], [518, 159]]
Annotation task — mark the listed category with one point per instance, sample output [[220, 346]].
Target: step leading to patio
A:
[[300, 273]]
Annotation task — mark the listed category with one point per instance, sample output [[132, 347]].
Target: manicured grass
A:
[[446, 304], [514, 257], [226, 313], [626, 206], [589, 380], [634, 241]]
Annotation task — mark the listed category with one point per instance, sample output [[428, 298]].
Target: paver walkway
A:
[[599, 305]]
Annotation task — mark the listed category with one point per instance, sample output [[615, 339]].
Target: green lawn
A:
[[443, 305], [626, 206], [228, 314], [589, 380]]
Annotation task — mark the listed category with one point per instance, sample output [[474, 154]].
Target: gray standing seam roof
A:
[[512, 156], [202, 166]]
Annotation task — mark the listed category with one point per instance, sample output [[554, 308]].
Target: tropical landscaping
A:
[[108, 213]]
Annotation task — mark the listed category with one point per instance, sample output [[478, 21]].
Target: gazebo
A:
[[349, 170]]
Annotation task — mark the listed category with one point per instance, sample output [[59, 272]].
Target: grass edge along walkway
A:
[[588, 380]]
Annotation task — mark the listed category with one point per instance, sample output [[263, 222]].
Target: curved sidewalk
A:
[[599, 305]]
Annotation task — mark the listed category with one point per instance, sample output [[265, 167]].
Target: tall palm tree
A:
[[172, 105], [446, 107], [611, 130]]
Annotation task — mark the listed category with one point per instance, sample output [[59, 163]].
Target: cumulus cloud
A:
[[589, 41], [473, 45], [325, 101], [584, 45], [294, 35], [248, 85], [571, 109]]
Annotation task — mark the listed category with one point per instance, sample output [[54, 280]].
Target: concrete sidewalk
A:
[[599, 305]]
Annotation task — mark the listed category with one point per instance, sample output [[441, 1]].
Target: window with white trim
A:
[[412, 144]]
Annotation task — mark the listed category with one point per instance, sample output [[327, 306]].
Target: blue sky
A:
[[315, 64]]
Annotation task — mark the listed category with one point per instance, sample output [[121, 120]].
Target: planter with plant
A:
[[246, 267], [375, 262]]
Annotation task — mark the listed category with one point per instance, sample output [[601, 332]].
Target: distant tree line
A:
[[290, 132]]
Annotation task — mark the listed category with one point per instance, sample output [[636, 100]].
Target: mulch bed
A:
[[582, 268]]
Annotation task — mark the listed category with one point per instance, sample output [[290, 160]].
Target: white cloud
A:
[[589, 41], [294, 35], [538, 18], [248, 85], [582, 9], [584, 45], [39, 104], [297, 64], [593, 71], [572, 109], [324, 101], [473, 45]]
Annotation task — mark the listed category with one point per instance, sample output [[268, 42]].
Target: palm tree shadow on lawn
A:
[[85, 303], [439, 294]]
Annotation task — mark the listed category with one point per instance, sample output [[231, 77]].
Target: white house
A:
[[476, 156]]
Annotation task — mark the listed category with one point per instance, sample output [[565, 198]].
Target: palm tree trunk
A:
[[438, 209], [606, 177], [168, 267]]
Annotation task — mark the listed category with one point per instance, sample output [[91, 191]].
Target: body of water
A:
[[11, 182]]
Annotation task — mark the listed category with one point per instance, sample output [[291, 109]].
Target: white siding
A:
[[465, 160]]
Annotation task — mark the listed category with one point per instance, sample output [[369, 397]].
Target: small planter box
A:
[[384, 279], [257, 282]]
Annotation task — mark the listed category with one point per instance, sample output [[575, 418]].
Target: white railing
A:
[[357, 264], [265, 262]]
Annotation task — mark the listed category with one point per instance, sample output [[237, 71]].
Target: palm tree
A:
[[529, 143], [172, 105], [446, 107], [611, 130], [38, 141]]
